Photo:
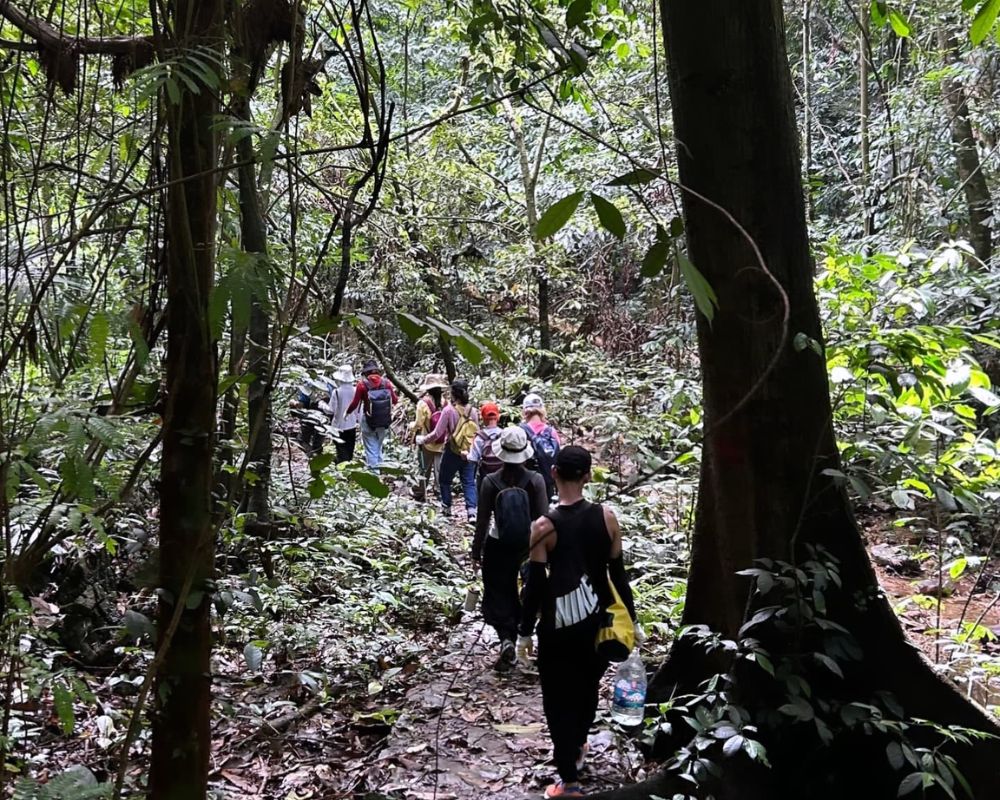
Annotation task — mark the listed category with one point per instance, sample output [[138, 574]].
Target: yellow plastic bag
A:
[[616, 637]]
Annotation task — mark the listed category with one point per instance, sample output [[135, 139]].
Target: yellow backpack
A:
[[464, 434]]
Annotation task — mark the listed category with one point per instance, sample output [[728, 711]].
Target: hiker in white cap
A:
[[513, 496], [346, 424], [544, 439]]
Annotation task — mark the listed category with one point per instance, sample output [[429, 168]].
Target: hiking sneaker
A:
[[445, 510], [581, 760], [560, 789], [472, 517], [508, 656]]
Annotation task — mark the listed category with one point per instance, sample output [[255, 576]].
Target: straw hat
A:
[[433, 380], [512, 446], [344, 374]]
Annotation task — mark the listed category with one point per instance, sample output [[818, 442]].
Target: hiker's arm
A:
[[616, 562], [537, 495], [359, 395], [487, 496], [392, 393], [542, 533]]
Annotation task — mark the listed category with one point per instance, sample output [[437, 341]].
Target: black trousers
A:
[[570, 672], [501, 601], [345, 447]]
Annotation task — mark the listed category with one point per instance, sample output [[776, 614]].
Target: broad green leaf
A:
[[319, 463], [99, 327], [62, 699], [636, 177], [704, 295], [609, 215], [370, 483], [655, 258], [557, 216], [985, 19], [469, 348], [879, 13], [577, 13], [899, 24], [910, 783], [495, 350], [411, 326]]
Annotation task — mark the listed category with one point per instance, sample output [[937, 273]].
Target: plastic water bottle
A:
[[628, 704]]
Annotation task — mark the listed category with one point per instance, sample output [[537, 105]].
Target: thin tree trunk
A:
[[257, 491], [447, 356], [181, 742], [807, 104], [863, 130], [977, 193]]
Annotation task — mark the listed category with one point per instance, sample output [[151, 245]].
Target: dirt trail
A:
[[465, 729]]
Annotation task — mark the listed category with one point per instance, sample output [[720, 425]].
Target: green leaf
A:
[[469, 348], [99, 327], [495, 350], [577, 13], [62, 699], [370, 483], [985, 19], [316, 488], [899, 24], [655, 258], [609, 215], [894, 752], [636, 177], [320, 462], [412, 327], [557, 216], [138, 625], [879, 13], [909, 783], [957, 568], [704, 295]]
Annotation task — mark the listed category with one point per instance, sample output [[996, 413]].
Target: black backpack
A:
[[379, 412], [512, 512], [546, 449]]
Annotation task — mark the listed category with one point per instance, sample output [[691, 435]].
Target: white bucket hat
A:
[[344, 374], [512, 446]]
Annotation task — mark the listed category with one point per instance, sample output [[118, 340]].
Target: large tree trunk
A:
[[765, 491], [977, 193], [181, 716]]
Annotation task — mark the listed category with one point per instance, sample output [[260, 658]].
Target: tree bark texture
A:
[[769, 439], [978, 201], [181, 716]]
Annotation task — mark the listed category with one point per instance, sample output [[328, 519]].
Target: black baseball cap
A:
[[573, 462]]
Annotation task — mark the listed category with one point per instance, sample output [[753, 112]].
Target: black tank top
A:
[[578, 568]]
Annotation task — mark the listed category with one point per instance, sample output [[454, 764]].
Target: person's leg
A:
[[558, 676], [450, 464], [423, 469], [349, 439], [436, 470], [469, 488], [591, 670]]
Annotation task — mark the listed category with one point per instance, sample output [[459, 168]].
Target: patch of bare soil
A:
[[936, 612]]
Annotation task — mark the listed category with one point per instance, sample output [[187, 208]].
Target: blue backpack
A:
[[379, 414], [546, 448]]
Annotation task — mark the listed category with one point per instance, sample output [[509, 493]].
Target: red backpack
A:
[[435, 412]]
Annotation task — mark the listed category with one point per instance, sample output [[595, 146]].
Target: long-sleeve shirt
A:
[[340, 400], [361, 392], [448, 422], [538, 500]]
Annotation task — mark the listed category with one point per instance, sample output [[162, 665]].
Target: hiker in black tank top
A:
[[575, 549]]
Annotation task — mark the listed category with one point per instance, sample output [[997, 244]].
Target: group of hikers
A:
[[524, 493]]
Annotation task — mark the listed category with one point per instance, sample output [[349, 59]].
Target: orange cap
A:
[[489, 411]]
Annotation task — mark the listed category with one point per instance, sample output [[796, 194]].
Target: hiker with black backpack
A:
[[513, 496], [376, 396], [576, 559], [481, 453], [544, 440], [457, 428]]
